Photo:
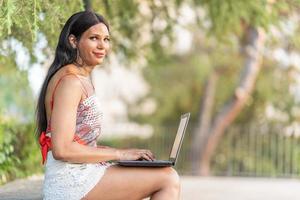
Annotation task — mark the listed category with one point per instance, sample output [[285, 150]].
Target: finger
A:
[[146, 154], [148, 157], [151, 154]]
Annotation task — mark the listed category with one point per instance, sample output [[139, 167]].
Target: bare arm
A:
[[63, 124]]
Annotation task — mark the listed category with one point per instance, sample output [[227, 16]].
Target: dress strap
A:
[[67, 74], [44, 139]]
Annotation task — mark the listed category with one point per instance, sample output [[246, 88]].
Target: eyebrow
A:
[[95, 34]]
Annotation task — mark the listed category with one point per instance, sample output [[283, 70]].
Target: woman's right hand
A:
[[135, 154]]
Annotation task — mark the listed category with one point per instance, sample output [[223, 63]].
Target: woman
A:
[[69, 122]]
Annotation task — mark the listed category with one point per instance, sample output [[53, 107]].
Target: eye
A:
[[93, 38], [107, 39]]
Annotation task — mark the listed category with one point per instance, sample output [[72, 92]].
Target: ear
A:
[[73, 41]]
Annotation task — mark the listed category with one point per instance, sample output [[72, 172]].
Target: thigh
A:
[[132, 183]]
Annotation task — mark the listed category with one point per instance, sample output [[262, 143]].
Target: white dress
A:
[[70, 181]]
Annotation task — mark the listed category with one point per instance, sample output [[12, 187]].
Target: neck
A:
[[84, 69]]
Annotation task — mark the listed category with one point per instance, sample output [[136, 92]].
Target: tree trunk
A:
[[200, 135], [252, 47]]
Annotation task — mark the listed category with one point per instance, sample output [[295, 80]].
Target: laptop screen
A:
[[179, 136]]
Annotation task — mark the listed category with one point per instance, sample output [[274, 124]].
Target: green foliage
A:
[[176, 86], [271, 88], [177, 82], [8, 8], [16, 98], [22, 15], [24, 19], [55, 14], [230, 16], [18, 149], [19, 153], [7, 159]]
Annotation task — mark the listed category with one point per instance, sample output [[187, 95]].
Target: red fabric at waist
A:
[[45, 143]]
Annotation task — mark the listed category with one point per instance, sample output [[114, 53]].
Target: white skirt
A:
[[70, 181]]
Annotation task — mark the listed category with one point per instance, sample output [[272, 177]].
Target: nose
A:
[[100, 44]]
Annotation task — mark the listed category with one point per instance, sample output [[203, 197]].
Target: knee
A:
[[171, 177]]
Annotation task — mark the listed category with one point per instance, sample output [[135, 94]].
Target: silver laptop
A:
[[173, 154]]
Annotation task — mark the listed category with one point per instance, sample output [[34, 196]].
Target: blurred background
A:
[[235, 65]]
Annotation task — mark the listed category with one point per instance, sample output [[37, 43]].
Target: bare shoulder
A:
[[70, 68], [69, 88], [70, 81]]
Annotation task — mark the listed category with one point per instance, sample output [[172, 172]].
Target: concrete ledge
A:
[[193, 188]]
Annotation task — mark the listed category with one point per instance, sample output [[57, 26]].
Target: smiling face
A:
[[93, 45]]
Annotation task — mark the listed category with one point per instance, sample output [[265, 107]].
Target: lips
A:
[[99, 55]]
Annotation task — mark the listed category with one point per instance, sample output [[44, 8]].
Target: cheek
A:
[[107, 47], [87, 45], [87, 49]]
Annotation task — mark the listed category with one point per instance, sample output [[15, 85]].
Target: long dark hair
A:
[[65, 54]]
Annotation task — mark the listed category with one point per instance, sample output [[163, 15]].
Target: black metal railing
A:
[[243, 151]]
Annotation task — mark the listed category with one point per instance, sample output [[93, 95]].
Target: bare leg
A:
[[136, 183]]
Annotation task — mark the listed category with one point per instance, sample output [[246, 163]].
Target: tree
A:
[[250, 17], [209, 131]]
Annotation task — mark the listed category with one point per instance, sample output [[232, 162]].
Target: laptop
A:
[[184, 119]]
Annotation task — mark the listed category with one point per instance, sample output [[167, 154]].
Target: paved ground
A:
[[221, 188], [193, 188]]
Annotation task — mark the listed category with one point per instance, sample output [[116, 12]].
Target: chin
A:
[[97, 62]]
